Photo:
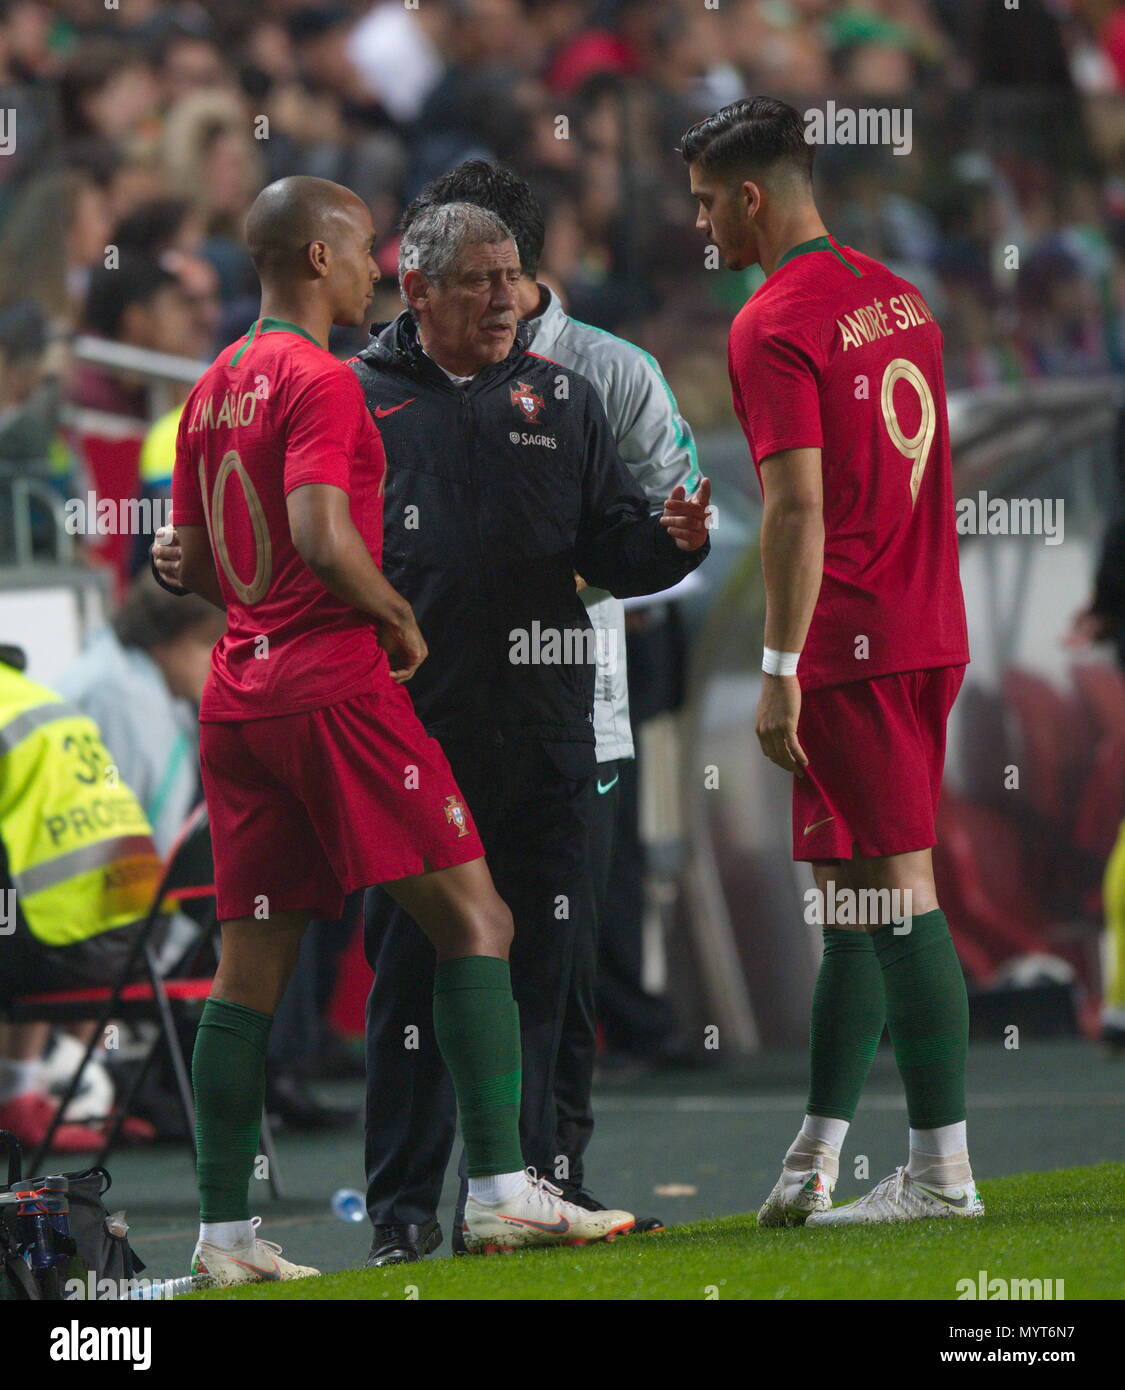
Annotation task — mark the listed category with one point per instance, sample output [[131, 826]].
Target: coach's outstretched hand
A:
[[685, 518], [779, 710]]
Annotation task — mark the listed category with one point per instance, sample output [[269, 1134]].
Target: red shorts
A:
[[305, 808], [876, 750]]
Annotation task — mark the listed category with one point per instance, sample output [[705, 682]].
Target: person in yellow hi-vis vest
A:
[[78, 870]]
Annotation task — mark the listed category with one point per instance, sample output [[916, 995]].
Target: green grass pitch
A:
[[1064, 1225]]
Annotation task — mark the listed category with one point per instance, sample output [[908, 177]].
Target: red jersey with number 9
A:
[[836, 352], [273, 412]]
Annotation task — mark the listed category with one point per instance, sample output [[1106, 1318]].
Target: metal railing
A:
[[31, 498]]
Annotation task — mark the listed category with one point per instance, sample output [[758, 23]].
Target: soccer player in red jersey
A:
[[835, 365], [318, 774]]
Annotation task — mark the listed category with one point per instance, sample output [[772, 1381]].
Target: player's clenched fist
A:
[[167, 554], [779, 710], [402, 640], [685, 518]]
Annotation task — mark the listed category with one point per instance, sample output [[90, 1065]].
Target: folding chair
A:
[[187, 881]]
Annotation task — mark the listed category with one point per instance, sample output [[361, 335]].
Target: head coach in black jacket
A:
[[503, 483]]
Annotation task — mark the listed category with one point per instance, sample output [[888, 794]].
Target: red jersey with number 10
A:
[[837, 353], [273, 412]]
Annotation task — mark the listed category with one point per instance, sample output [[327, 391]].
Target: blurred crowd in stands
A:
[[149, 127]]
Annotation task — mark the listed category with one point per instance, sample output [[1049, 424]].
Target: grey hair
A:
[[437, 236]]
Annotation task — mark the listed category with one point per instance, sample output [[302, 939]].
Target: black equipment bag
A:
[[92, 1247]]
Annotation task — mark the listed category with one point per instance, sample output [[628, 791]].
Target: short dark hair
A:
[[137, 280], [86, 72], [493, 186], [151, 227], [150, 617], [749, 137]]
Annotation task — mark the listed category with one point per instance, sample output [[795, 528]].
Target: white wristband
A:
[[776, 663]]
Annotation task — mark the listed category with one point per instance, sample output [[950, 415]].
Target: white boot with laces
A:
[[537, 1215]]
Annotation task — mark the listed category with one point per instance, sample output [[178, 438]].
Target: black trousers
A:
[[531, 812], [574, 1072], [633, 1021]]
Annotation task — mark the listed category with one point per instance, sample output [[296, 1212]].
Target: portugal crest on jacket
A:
[[526, 401]]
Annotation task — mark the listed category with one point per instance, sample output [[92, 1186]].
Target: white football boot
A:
[[256, 1262], [902, 1198], [537, 1216], [796, 1197]]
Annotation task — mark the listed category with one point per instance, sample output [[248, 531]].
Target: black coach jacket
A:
[[496, 493]]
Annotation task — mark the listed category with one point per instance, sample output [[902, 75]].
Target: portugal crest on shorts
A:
[[456, 814], [526, 401]]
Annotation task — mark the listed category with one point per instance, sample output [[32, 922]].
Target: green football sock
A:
[[848, 1015], [476, 1024], [228, 1073], [928, 1018]]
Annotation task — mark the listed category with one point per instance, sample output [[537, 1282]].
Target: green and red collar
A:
[[268, 325], [818, 243]]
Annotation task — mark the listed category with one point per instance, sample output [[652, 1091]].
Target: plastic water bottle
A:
[[348, 1204], [168, 1288]]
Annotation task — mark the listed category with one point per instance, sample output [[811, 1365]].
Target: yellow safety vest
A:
[[158, 452], [79, 849]]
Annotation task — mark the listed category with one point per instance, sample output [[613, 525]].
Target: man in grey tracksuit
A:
[[657, 445]]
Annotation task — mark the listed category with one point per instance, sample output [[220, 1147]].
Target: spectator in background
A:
[[23, 345], [139, 304], [29, 410], [327, 123], [140, 679], [51, 240], [210, 156], [127, 171], [171, 232], [582, 44], [871, 55], [190, 60], [107, 89], [34, 57], [73, 925], [779, 47], [484, 102], [1061, 325]]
